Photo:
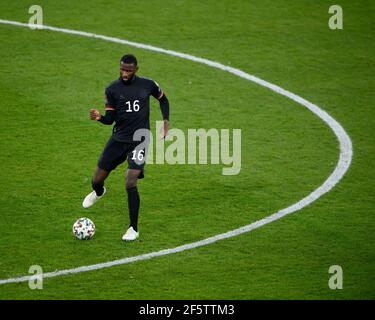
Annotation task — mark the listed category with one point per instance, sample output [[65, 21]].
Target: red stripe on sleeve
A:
[[161, 94]]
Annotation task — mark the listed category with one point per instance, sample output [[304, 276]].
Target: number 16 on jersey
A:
[[130, 108]]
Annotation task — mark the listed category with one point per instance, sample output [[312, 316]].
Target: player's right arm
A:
[[109, 116]]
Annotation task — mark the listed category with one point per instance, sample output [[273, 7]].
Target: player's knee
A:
[[130, 183]]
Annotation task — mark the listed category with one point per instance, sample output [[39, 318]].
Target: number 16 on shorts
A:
[[138, 156]]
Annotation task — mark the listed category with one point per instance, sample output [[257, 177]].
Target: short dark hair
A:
[[129, 59]]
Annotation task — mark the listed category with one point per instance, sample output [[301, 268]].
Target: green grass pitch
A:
[[49, 149]]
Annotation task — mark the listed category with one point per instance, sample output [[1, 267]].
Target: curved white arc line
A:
[[342, 166]]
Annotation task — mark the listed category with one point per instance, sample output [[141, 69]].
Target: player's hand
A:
[[95, 114], [164, 129]]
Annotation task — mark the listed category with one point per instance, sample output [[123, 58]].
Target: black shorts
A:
[[116, 152]]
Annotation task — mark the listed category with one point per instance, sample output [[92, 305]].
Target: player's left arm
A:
[[164, 106]]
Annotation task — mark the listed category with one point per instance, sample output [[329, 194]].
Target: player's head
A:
[[128, 67]]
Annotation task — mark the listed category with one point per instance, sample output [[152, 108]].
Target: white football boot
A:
[[91, 198], [130, 235]]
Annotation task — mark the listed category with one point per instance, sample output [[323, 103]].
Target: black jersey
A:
[[131, 103]]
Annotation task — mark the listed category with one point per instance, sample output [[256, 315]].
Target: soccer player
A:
[[128, 105]]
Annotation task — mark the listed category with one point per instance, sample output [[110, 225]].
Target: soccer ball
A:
[[84, 229]]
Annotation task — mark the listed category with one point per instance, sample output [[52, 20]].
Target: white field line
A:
[[341, 167]]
